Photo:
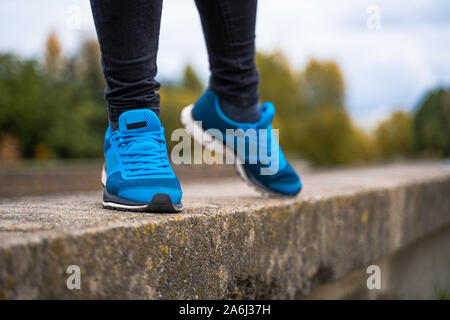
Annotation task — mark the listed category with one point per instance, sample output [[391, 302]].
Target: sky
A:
[[390, 52]]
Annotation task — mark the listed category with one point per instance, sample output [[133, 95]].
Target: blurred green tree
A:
[[394, 136], [173, 100], [53, 109], [328, 137], [53, 50], [280, 85], [191, 80], [311, 116], [56, 109], [22, 90], [89, 70], [323, 84], [432, 124]]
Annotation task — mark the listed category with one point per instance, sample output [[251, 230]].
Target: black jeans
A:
[[128, 33]]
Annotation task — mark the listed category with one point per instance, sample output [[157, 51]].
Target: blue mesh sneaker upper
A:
[[136, 159], [263, 160]]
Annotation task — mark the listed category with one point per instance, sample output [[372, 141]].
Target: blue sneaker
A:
[[266, 169], [137, 175]]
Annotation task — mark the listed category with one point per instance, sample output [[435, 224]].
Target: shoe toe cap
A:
[[146, 194], [143, 189], [285, 182]]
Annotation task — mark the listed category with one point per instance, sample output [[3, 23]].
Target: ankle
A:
[[238, 113], [114, 114]]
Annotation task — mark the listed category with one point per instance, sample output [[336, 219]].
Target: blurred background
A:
[[354, 83]]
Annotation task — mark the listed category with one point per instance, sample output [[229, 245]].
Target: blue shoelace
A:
[[143, 162]]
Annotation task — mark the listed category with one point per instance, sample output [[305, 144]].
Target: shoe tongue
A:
[[139, 120], [267, 111]]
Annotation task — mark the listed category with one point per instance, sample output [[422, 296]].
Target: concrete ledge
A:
[[229, 243], [37, 178]]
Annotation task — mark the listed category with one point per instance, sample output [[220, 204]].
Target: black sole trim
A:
[[161, 203], [262, 188]]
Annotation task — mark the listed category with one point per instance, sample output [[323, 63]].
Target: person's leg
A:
[[137, 174], [231, 102], [229, 30], [128, 33]]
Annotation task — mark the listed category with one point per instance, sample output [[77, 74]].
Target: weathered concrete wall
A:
[[237, 246], [419, 271]]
